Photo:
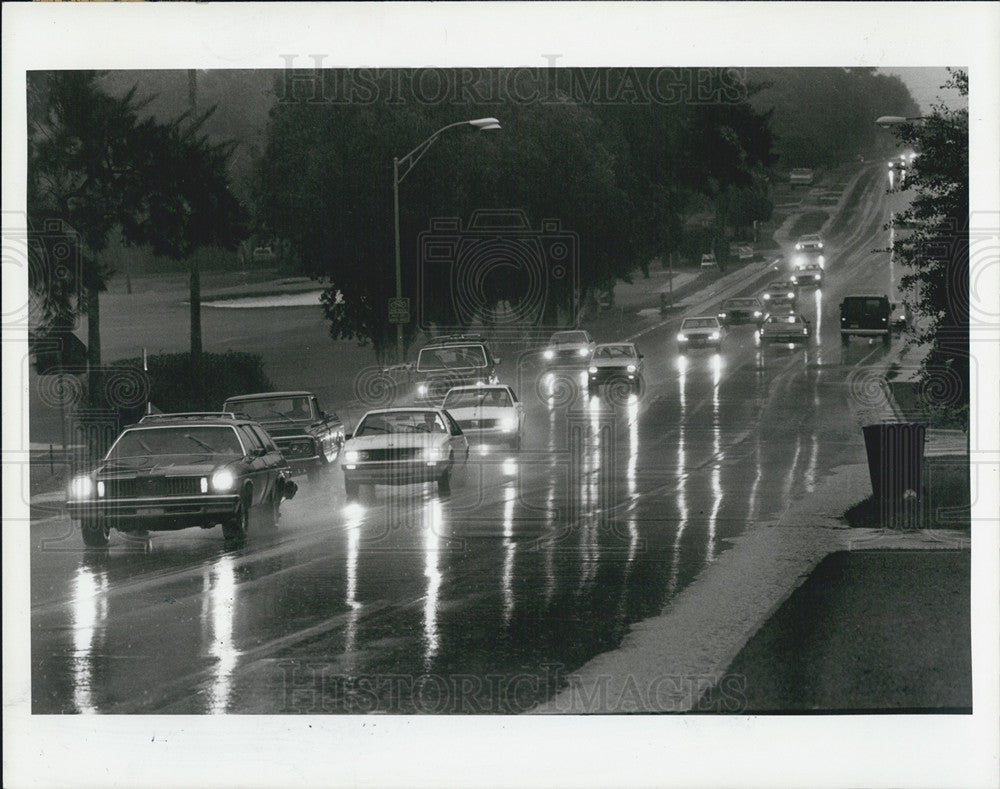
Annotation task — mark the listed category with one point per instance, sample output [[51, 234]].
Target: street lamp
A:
[[410, 161], [887, 121]]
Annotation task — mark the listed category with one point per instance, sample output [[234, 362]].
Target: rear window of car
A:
[[451, 356], [271, 409], [179, 440]]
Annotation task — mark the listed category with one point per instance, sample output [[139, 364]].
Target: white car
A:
[[615, 361], [572, 347], [487, 414], [708, 260], [703, 330], [401, 446]]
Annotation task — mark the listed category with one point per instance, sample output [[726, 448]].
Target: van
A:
[[865, 316]]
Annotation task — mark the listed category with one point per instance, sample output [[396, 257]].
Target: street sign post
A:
[[399, 310]]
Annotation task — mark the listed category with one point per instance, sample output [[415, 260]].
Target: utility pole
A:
[[195, 278]]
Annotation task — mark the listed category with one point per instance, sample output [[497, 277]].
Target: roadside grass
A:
[[944, 503], [809, 222], [848, 215]]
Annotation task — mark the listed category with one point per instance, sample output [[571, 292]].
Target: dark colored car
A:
[[865, 316], [779, 295], [175, 471], [447, 362], [309, 438], [741, 310], [808, 274]]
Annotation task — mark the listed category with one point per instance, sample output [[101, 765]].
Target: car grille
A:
[[395, 453], [478, 424], [296, 448], [144, 487]]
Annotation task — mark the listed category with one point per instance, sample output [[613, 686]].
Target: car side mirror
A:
[[641, 356], [347, 435]]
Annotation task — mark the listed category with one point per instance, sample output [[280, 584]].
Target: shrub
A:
[[174, 386]]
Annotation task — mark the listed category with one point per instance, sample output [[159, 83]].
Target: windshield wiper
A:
[[200, 443], [278, 413]]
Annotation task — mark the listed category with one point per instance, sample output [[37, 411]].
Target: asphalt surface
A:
[[481, 601]]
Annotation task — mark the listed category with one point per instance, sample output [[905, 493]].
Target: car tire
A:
[[95, 532], [515, 444], [845, 339], [352, 489], [886, 339], [444, 481], [235, 527]]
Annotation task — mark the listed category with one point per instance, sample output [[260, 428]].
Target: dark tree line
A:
[[823, 116], [620, 175]]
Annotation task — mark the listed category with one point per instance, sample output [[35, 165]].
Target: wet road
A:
[[484, 600]]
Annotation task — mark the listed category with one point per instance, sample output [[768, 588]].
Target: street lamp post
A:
[[410, 161], [886, 121]]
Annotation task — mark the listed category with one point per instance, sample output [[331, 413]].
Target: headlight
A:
[[805, 331], [223, 480], [433, 453], [593, 369], [798, 247], [549, 354], [352, 456], [630, 368], [509, 424], [819, 246], [713, 336], [790, 295], [583, 352], [422, 389], [722, 315], [767, 296], [795, 278], [81, 488], [681, 338], [756, 313]]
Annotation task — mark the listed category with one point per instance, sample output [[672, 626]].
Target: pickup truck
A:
[[308, 437]]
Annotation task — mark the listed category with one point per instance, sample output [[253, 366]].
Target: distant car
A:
[[778, 295], [487, 414], [309, 438], [703, 330], [174, 471], [900, 318], [742, 310], [615, 362], [808, 274], [455, 360], [741, 252], [800, 176], [402, 446], [811, 242], [708, 260], [865, 316], [790, 327], [572, 347]]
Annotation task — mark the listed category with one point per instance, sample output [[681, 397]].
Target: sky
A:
[[925, 84]]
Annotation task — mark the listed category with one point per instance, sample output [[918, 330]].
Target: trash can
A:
[[895, 464]]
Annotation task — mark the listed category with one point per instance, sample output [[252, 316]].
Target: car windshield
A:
[[271, 409], [614, 352], [569, 337], [740, 303], [700, 323], [779, 286], [179, 440], [480, 396], [392, 422], [451, 356]]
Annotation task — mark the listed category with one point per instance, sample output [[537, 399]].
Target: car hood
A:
[[404, 440]]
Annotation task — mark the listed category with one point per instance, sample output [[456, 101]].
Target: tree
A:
[[81, 171], [95, 167], [936, 253]]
